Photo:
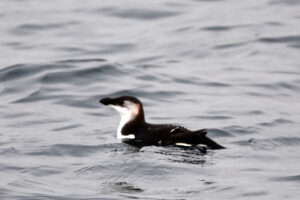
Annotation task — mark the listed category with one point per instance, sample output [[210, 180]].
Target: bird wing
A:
[[193, 138], [185, 136]]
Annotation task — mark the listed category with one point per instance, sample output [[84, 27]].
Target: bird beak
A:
[[106, 101]]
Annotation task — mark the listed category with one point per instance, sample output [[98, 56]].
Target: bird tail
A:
[[206, 140], [202, 132]]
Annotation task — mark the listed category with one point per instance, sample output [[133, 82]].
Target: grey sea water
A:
[[227, 65]]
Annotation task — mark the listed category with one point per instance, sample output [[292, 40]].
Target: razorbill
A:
[[135, 129]]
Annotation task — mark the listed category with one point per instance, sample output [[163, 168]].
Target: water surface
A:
[[230, 66]]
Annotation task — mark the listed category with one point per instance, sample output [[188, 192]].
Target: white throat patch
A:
[[128, 112]]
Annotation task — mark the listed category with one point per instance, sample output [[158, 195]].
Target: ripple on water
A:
[[254, 194], [218, 133], [65, 128], [270, 144], [209, 0], [61, 71], [222, 28], [238, 130], [292, 41], [189, 80], [287, 2], [218, 28], [31, 83], [137, 14], [180, 155], [28, 29], [277, 86], [22, 71], [43, 171], [147, 77], [295, 178], [89, 102], [78, 61], [275, 122], [32, 97], [10, 151], [37, 196], [122, 187], [289, 141], [16, 115], [230, 45], [90, 169], [81, 76], [214, 117], [76, 150], [19, 71]]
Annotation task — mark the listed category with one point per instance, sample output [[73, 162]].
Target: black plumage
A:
[[157, 134]]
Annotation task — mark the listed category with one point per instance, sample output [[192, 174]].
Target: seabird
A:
[[134, 129]]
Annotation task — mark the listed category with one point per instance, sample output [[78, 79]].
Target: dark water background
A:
[[227, 65]]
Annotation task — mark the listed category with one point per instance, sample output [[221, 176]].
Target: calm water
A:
[[227, 65]]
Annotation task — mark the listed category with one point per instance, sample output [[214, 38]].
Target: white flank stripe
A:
[[183, 144], [124, 137]]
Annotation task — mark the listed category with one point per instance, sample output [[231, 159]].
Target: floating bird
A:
[[135, 130]]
